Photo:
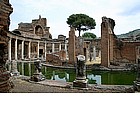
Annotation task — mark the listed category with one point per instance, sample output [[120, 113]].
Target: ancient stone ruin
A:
[[37, 76], [81, 80], [5, 11], [136, 84], [116, 51]]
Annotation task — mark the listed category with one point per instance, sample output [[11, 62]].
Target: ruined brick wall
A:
[[57, 58], [37, 27], [104, 43], [5, 11], [107, 41], [128, 53], [71, 46]]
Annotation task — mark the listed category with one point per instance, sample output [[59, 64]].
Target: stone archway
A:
[[39, 30]]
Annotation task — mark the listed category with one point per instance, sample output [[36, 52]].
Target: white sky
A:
[[126, 13]]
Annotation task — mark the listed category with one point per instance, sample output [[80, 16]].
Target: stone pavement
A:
[[22, 85]]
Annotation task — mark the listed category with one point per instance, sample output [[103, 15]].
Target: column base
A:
[[136, 86], [80, 83], [37, 77]]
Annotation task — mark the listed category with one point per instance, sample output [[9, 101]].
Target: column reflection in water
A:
[[22, 68], [66, 77], [53, 75], [29, 68], [9, 67], [45, 69]]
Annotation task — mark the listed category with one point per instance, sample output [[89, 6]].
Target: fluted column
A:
[[16, 49], [38, 50], [22, 50], [9, 50]]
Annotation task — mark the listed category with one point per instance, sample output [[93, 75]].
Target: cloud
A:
[[133, 10], [57, 13]]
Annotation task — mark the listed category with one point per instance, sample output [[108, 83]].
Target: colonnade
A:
[[24, 45]]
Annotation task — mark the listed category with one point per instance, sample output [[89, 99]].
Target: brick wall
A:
[[127, 53]]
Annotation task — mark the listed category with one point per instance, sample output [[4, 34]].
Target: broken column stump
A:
[[37, 76], [81, 81]]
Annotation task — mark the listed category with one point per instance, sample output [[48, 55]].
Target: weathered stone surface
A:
[[14, 70], [37, 76], [80, 80], [71, 48], [5, 11]]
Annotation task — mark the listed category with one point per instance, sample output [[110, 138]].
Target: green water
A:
[[68, 75]]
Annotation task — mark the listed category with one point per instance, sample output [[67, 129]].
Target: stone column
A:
[[66, 50], [38, 50], [9, 49], [60, 47], [16, 49], [45, 50], [53, 48], [29, 50], [71, 48], [22, 50]]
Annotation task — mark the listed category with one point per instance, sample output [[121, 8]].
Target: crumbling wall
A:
[[128, 53], [107, 41], [5, 11]]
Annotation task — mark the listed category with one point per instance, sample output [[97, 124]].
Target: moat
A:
[[68, 75]]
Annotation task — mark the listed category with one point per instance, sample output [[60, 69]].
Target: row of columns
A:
[[29, 49]]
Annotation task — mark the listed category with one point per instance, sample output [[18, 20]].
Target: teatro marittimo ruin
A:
[[33, 41]]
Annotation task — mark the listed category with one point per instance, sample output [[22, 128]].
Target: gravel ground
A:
[[22, 85]]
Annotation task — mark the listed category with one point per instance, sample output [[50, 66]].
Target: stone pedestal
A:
[[37, 76], [14, 70], [136, 86], [81, 81]]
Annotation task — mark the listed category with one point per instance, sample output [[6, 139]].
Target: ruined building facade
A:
[[114, 50], [90, 48], [34, 41]]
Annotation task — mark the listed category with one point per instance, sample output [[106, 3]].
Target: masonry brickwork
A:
[[115, 50], [38, 27], [107, 41], [71, 48], [5, 11]]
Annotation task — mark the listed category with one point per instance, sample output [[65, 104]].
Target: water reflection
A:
[[94, 77]]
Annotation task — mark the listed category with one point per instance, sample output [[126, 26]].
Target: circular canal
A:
[[69, 75]]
